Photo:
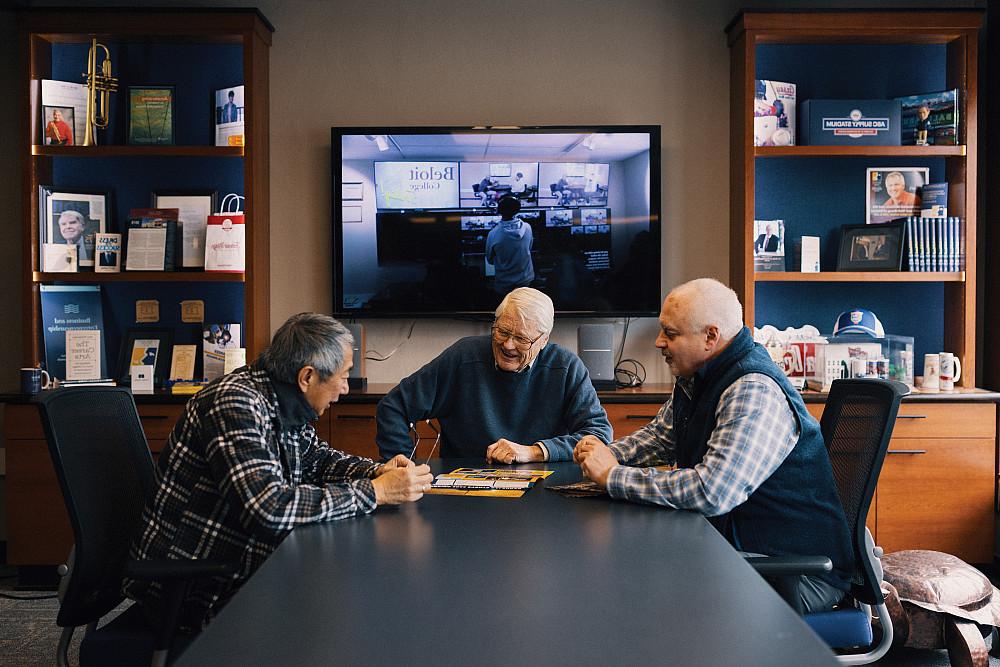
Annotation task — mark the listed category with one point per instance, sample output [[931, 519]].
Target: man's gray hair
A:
[[530, 307], [306, 339], [708, 302], [75, 214]]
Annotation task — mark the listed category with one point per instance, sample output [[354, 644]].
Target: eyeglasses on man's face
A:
[[501, 335]]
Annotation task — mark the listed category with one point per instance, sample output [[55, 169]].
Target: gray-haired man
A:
[[244, 466]]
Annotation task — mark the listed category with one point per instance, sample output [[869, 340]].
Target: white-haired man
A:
[[244, 466], [748, 455], [511, 395]]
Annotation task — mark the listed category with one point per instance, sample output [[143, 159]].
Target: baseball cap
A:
[[860, 321]]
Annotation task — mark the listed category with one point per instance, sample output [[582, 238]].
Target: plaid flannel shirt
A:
[[242, 468], [755, 430]]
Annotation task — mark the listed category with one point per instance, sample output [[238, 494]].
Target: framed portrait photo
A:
[[193, 207], [151, 115], [893, 192], [872, 247], [145, 347], [73, 217], [58, 124]]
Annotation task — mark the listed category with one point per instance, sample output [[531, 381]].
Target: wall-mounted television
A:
[[416, 230]]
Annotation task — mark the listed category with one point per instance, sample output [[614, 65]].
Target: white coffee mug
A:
[[950, 369], [932, 369]]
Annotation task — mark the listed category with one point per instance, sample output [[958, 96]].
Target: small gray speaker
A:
[[357, 379], [595, 345]]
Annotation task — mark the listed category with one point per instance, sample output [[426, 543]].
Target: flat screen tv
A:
[[417, 231]]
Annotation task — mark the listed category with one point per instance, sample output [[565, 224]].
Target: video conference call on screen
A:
[[416, 219]]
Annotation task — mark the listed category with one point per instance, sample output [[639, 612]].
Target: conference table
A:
[[540, 579]]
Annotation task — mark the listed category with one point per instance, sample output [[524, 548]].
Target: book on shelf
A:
[[230, 118], [773, 113], [64, 308], [930, 119], [934, 244], [216, 339], [108, 253], [152, 239], [769, 245], [934, 200], [70, 100]]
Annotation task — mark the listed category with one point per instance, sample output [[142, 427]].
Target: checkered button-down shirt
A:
[[242, 468], [755, 430]]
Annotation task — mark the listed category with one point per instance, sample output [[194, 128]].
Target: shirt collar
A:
[[293, 407]]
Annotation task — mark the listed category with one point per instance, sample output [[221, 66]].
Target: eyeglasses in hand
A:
[[416, 439]]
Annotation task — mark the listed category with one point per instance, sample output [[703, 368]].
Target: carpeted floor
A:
[[29, 635]]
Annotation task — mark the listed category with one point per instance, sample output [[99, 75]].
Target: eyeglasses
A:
[[416, 439], [520, 342]]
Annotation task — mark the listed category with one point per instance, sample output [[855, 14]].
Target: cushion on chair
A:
[[842, 628], [939, 582]]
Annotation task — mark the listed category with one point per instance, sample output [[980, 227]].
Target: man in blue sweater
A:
[[509, 396], [748, 454]]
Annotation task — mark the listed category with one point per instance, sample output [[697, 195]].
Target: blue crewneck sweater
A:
[[552, 402]]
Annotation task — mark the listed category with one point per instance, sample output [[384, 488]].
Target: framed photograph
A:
[[58, 125], [73, 217], [194, 207], [151, 115], [893, 192], [872, 248], [145, 347]]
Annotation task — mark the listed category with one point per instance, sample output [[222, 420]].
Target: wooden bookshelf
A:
[[89, 277], [861, 277], [137, 151], [859, 151]]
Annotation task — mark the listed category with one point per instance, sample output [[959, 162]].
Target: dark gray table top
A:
[[489, 581]]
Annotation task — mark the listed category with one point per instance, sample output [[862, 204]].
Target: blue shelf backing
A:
[[863, 71], [223, 303], [906, 309], [195, 70]]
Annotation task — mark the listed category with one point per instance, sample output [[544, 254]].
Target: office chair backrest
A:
[[105, 471], [857, 424]]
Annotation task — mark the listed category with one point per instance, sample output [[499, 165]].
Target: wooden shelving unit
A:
[[139, 32], [956, 34]]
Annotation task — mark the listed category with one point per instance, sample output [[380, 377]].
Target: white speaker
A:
[[357, 379], [595, 345]]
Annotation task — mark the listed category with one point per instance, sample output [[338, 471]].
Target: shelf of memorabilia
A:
[[137, 151], [139, 276], [889, 55], [860, 151], [862, 276]]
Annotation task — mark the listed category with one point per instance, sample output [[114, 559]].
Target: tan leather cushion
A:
[[940, 582]]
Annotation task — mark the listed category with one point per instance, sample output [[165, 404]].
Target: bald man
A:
[[748, 454]]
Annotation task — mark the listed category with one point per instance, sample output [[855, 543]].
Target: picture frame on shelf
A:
[[58, 125], [872, 247], [145, 346], [893, 192], [194, 206], [72, 216], [151, 115]]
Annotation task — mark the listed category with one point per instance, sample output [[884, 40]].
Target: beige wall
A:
[[452, 62]]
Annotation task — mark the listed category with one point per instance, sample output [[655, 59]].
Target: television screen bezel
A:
[[336, 175]]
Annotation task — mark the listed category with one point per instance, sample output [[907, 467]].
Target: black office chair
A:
[[105, 472], [857, 424]]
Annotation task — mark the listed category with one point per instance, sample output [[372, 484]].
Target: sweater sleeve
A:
[[583, 415], [422, 395]]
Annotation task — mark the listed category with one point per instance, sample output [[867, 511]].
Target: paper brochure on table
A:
[[495, 482]]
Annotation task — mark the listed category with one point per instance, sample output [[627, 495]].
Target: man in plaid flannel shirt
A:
[[243, 467], [748, 454]]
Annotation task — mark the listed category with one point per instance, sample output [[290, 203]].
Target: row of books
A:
[[935, 244]]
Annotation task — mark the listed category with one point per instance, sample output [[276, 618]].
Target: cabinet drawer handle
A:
[[907, 451], [643, 417], [152, 416], [911, 416], [356, 417]]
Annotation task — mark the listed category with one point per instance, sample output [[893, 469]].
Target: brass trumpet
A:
[[100, 85]]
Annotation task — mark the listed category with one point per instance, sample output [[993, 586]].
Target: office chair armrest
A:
[[782, 566], [173, 569]]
